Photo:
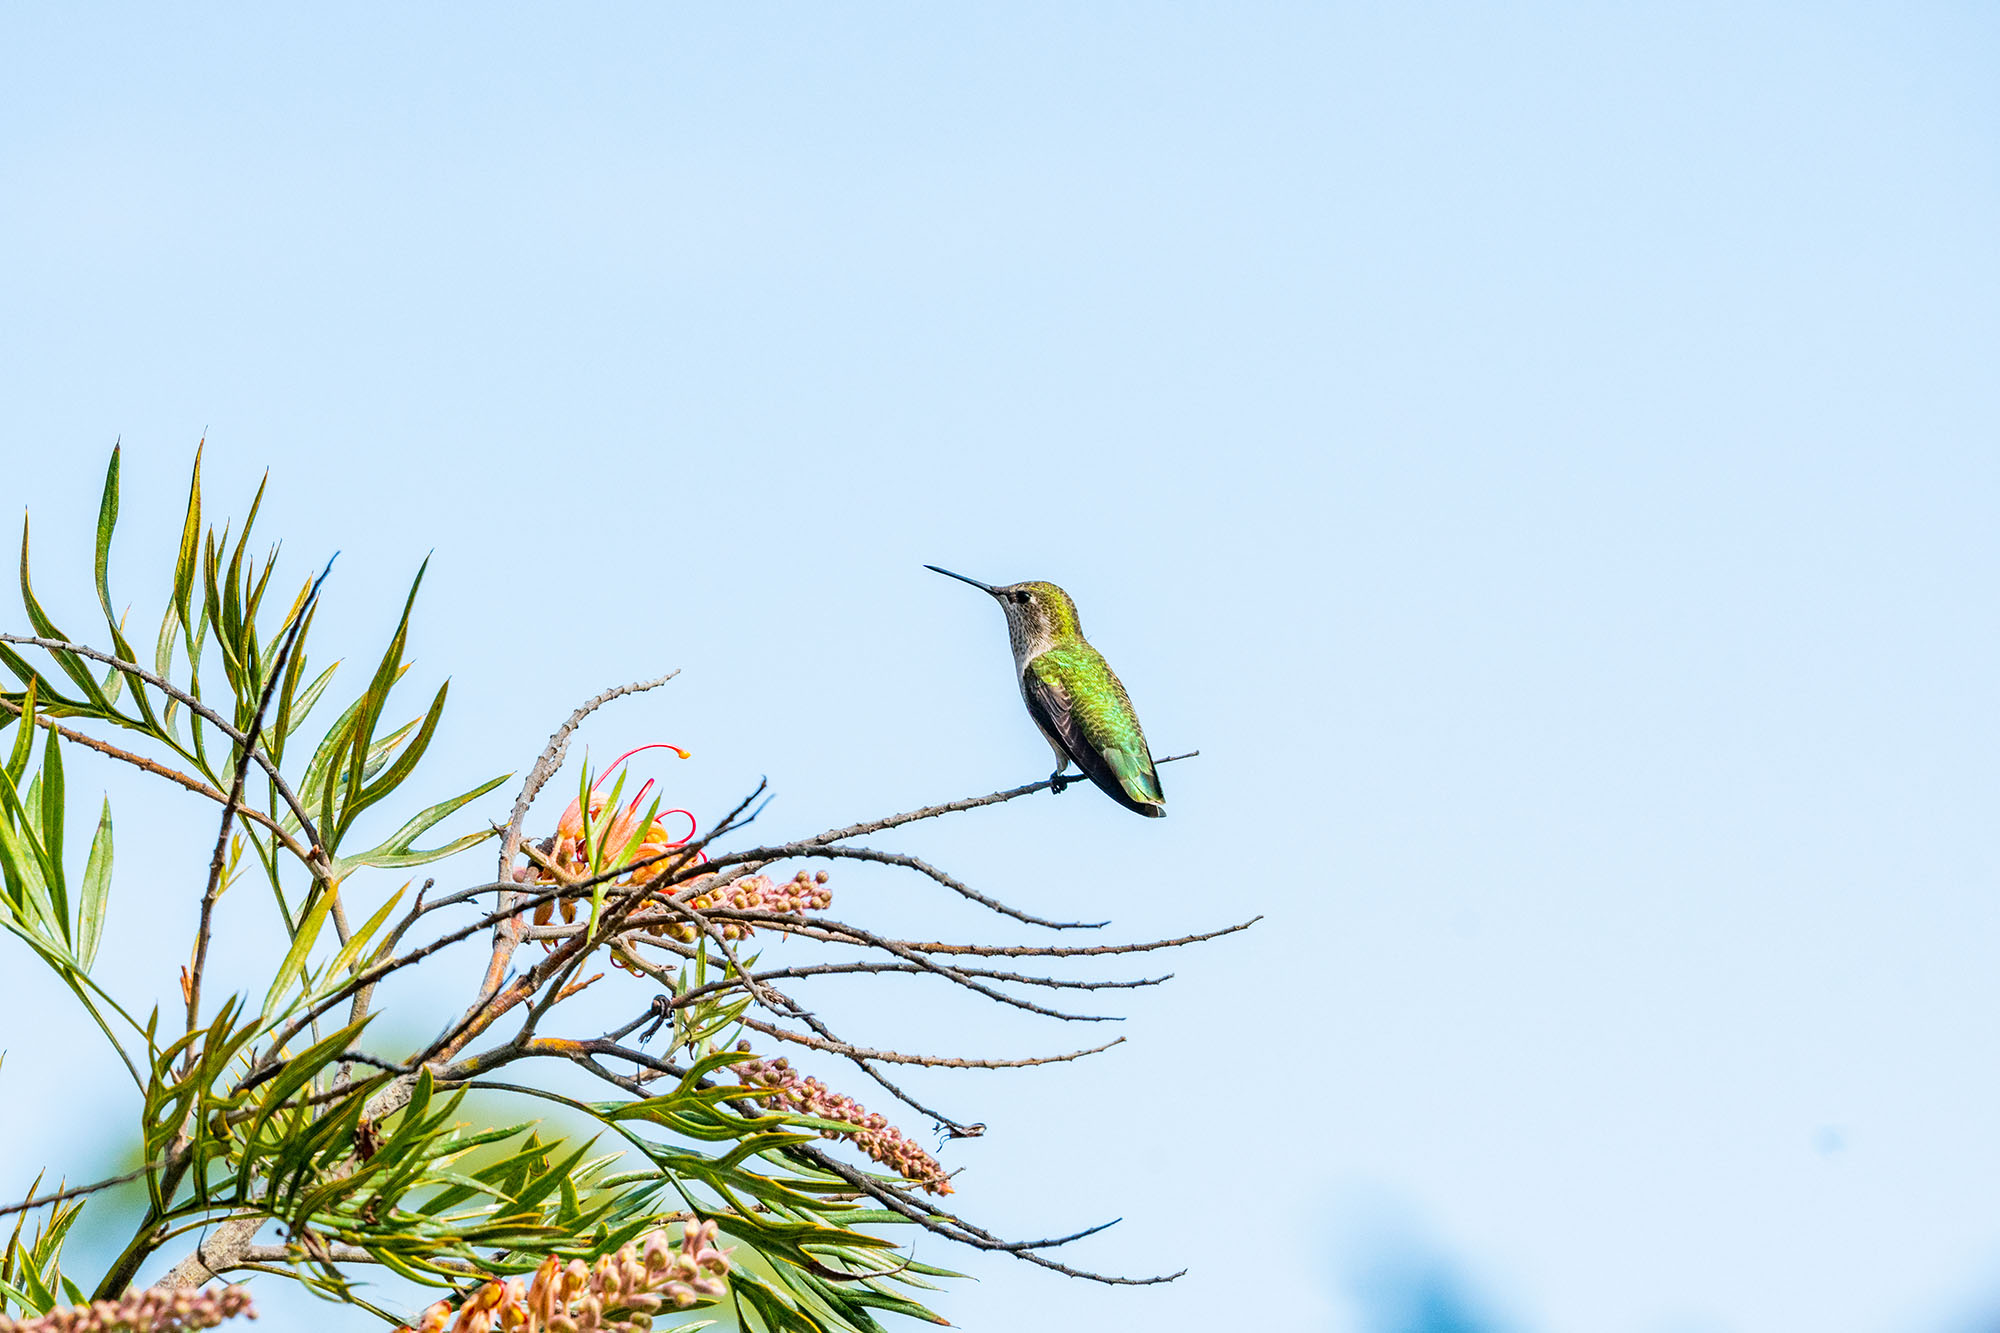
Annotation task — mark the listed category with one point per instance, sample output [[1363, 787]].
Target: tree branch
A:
[[173, 775], [229, 807], [200, 710]]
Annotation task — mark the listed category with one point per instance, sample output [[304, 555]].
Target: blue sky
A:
[[1544, 457]]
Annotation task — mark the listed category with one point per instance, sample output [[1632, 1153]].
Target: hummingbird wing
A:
[[1079, 702]]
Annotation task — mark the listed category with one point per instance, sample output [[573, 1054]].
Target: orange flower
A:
[[577, 833]]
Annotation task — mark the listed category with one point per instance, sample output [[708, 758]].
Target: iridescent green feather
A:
[[1085, 707]]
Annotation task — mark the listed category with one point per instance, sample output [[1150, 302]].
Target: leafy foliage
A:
[[282, 1112]]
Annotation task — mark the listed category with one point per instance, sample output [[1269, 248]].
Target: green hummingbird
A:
[[1074, 696]]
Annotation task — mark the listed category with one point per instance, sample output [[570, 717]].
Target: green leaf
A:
[[302, 943], [113, 686], [283, 723], [358, 941], [418, 856], [27, 865], [114, 682], [309, 696], [404, 764], [395, 851], [94, 892], [373, 700], [297, 1072], [107, 519], [72, 665], [321, 783], [51, 782], [190, 553], [317, 787], [88, 993], [163, 666], [24, 742], [235, 619]]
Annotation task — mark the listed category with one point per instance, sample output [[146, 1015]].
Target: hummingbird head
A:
[[1039, 615]]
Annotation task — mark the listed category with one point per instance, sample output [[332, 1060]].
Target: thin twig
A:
[[811, 848], [200, 710], [956, 1228], [1091, 951], [927, 1061], [843, 933], [229, 807], [73, 1192], [958, 1128], [950, 807], [872, 969], [545, 767], [551, 760], [366, 993], [623, 909], [173, 775]]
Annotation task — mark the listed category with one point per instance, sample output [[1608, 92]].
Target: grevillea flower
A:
[[619, 1293], [153, 1310], [577, 832], [876, 1137]]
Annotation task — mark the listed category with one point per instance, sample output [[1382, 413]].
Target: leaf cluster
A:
[[304, 1146]]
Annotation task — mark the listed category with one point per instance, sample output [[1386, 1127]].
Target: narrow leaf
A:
[[190, 553], [107, 519], [358, 940], [95, 890], [24, 742], [72, 665], [53, 795], [302, 943]]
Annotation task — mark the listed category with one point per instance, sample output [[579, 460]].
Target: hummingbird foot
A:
[[1060, 784]]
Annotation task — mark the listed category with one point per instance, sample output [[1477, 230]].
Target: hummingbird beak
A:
[[983, 587]]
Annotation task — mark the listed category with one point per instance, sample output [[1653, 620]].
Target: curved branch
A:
[[552, 756], [74, 1191], [840, 932], [763, 856], [160, 770], [927, 1061], [219, 860], [952, 807], [200, 710]]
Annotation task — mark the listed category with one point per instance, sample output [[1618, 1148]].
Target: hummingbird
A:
[[1075, 698]]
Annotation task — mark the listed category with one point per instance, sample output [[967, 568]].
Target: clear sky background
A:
[[1543, 456]]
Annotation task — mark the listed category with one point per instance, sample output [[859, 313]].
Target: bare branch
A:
[[759, 857], [956, 1228], [927, 1061], [1092, 951], [552, 756], [366, 991], [173, 775], [951, 807], [873, 969], [200, 710], [843, 933], [73, 1192]]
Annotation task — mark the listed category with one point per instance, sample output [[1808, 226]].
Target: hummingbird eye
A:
[[1021, 597]]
